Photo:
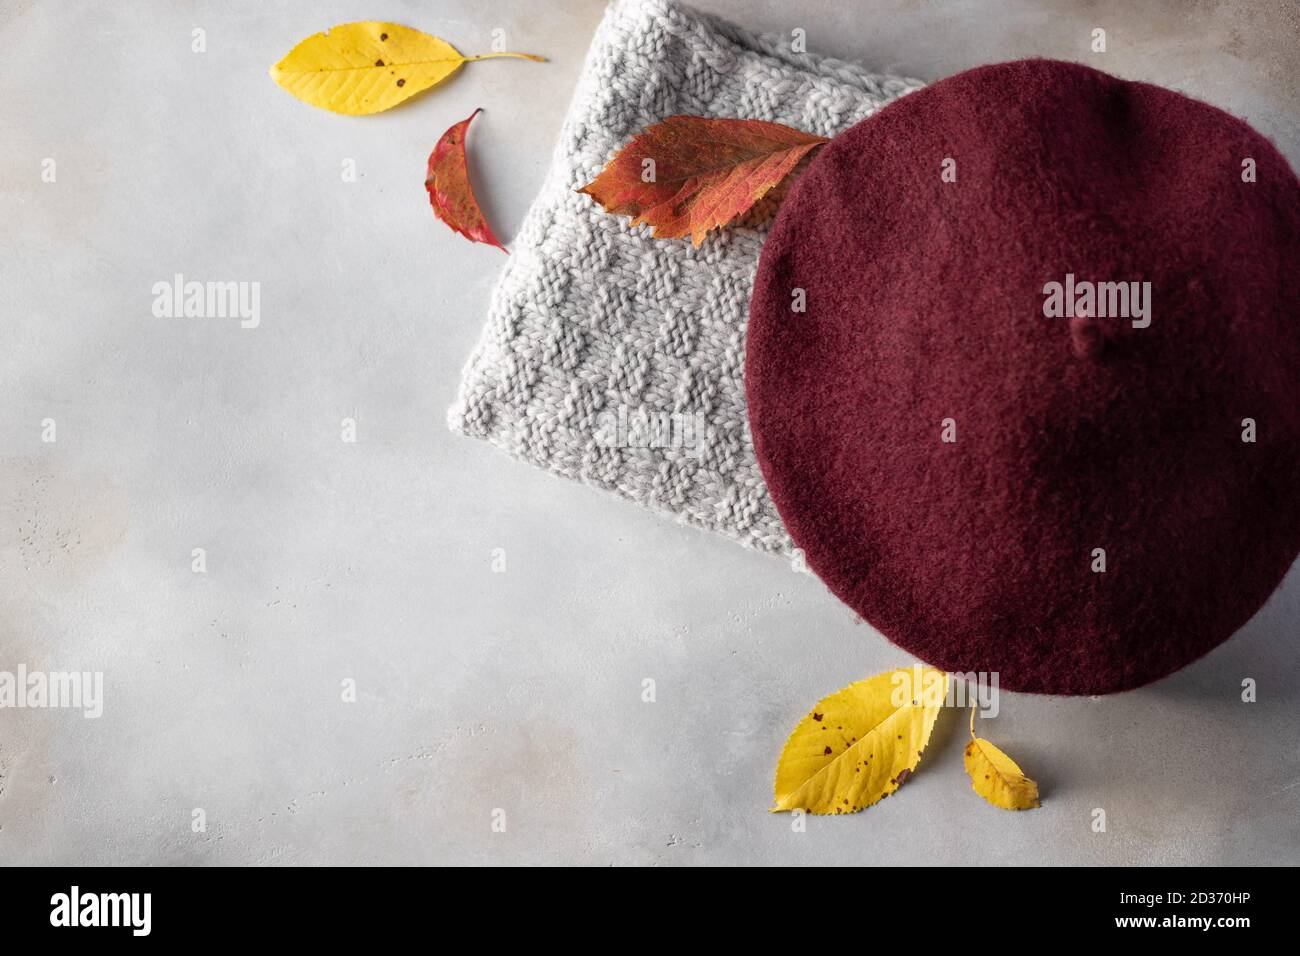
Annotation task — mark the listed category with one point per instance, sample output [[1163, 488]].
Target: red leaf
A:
[[702, 173], [450, 193]]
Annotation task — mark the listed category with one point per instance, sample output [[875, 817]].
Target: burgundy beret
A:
[[1040, 411]]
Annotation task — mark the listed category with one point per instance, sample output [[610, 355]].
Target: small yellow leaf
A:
[[369, 66], [861, 743], [996, 777]]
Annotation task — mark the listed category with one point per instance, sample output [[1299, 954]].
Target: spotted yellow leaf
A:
[[996, 777], [861, 743], [369, 66]]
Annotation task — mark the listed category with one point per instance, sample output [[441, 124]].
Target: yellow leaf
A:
[[861, 743], [368, 66], [996, 777]]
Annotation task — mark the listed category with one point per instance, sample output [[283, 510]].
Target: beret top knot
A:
[[1039, 411]]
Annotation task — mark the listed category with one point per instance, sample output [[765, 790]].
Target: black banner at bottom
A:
[[337, 905]]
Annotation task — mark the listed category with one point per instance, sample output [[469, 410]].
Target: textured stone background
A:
[[372, 561]]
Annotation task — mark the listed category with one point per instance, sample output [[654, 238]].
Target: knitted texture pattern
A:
[[618, 359]]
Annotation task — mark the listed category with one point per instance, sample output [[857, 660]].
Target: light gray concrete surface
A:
[[372, 561]]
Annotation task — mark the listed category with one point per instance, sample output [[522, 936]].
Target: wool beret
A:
[[1023, 374]]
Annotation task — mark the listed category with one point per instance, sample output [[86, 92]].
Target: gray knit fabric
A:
[[618, 359]]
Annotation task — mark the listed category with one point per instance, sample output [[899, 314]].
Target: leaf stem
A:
[[517, 56]]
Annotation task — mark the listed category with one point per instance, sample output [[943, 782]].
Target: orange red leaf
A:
[[689, 174], [449, 188]]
